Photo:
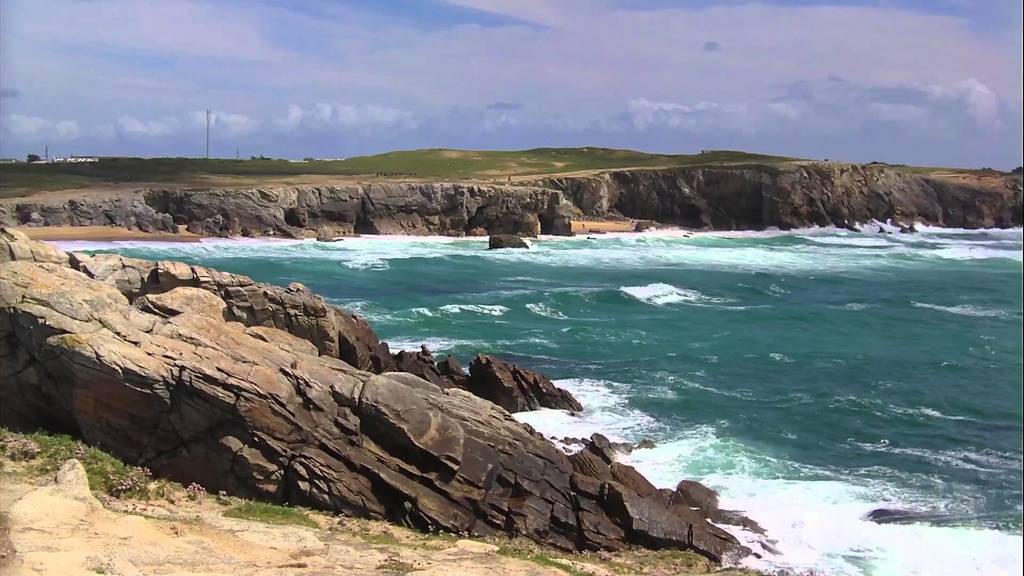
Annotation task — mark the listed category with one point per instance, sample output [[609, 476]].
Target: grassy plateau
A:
[[19, 179]]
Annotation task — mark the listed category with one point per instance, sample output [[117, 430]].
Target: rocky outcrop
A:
[[325, 212], [251, 411], [516, 389], [724, 197], [15, 246], [499, 241], [795, 195], [334, 331]]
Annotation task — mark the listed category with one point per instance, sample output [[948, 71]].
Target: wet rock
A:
[[516, 389], [499, 241], [645, 444]]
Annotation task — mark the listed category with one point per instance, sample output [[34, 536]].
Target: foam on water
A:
[[542, 309], [815, 520], [485, 309], [604, 411], [434, 344], [926, 412], [965, 310], [660, 294]]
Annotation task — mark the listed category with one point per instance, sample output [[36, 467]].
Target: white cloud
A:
[[131, 126], [977, 99], [231, 124], [327, 115], [38, 128]]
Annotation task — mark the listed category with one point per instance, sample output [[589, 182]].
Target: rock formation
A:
[[516, 389], [327, 211], [244, 399], [794, 195], [707, 197], [498, 241]]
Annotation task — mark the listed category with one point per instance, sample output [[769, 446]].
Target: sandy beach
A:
[[115, 233], [103, 234]]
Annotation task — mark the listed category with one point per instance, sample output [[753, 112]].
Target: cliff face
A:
[[720, 198], [734, 198], [379, 208]]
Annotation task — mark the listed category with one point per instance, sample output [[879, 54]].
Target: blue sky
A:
[[903, 81]]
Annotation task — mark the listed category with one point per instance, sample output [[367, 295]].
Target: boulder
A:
[[499, 241], [181, 300], [333, 330], [420, 363], [697, 495], [453, 372], [15, 245], [516, 389]]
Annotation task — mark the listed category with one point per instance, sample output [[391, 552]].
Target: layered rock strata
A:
[[176, 382]]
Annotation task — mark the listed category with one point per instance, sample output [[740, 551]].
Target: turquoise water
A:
[[809, 376]]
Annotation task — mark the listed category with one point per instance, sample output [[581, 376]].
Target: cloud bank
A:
[[904, 82]]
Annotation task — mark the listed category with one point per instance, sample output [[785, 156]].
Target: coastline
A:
[[748, 494], [102, 234], [81, 237]]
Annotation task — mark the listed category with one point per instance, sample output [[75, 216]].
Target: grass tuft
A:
[[270, 514], [107, 474], [541, 559]]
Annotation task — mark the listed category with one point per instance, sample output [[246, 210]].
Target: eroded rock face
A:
[[15, 245], [797, 195], [295, 212], [516, 389], [334, 331], [257, 412]]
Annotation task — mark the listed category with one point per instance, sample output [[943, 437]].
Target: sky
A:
[[910, 81]]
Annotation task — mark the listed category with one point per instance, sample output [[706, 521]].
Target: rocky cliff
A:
[[379, 208], [702, 197], [790, 196], [212, 378]]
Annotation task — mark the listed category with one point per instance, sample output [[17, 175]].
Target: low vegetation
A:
[[23, 178], [44, 453], [39, 454], [270, 514]]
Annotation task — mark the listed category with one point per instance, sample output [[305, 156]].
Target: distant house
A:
[[76, 159]]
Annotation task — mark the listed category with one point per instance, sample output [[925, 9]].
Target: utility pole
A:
[[207, 134]]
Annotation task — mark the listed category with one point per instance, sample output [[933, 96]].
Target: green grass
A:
[[270, 514], [540, 558], [107, 474], [20, 178]]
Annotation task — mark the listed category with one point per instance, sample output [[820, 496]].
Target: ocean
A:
[[810, 376]]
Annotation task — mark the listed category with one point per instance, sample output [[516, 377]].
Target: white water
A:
[[818, 525]]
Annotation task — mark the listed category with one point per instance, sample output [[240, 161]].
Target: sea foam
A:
[[660, 294], [818, 525]]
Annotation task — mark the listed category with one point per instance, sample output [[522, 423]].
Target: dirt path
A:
[[60, 528], [56, 526]]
